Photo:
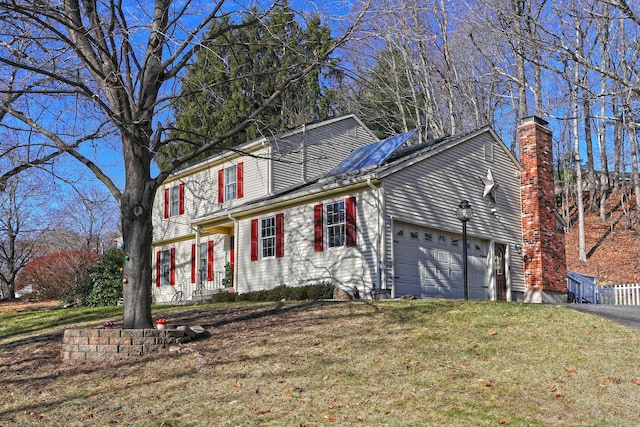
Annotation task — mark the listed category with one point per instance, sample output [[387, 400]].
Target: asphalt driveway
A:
[[628, 315]]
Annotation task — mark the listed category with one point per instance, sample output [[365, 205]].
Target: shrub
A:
[[52, 274], [223, 297], [291, 293], [105, 279]]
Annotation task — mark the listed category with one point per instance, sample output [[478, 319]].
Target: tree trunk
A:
[[633, 141], [618, 169], [136, 208], [588, 140], [582, 253]]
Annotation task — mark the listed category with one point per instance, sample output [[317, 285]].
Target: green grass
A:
[[398, 363]]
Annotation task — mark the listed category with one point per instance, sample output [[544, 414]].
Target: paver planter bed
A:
[[100, 344]]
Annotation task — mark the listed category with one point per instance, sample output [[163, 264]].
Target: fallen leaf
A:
[[635, 381], [330, 419], [492, 333], [612, 380], [570, 371], [262, 411], [237, 384], [487, 383], [559, 396], [504, 422], [288, 394]]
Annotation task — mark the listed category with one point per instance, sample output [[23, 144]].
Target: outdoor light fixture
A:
[[464, 214]]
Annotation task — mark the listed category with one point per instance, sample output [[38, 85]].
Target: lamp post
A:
[[464, 214]]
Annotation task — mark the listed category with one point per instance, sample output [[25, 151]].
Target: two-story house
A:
[[329, 202]]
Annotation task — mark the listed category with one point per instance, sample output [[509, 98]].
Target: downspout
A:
[[376, 192], [197, 260], [235, 250], [393, 259]]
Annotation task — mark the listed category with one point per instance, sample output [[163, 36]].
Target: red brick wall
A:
[[544, 255]]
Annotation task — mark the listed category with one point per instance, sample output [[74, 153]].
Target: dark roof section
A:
[[371, 155]]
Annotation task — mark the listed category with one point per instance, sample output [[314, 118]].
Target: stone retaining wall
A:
[[100, 344]]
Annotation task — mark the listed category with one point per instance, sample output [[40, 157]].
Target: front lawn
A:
[[333, 363]]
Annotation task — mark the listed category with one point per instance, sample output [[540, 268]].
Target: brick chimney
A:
[[545, 272]]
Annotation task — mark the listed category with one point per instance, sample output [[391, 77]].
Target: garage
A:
[[428, 264]]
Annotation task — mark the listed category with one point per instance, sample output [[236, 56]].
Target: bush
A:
[[102, 285], [51, 275], [291, 293], [105, 279]]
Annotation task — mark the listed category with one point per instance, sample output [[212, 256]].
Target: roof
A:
[[370, 162], [371, 155], [257, 143]]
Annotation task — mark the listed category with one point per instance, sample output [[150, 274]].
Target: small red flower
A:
[[108, 324], [160, 321]]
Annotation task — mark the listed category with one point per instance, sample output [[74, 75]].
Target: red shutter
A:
[[181, 198], [350, 216], [193, 263], [240, 180], [279, 235], [318, 213], [166, 203], [210, 261], [254, 240], [172, 268], [221, 186], [158, 255]]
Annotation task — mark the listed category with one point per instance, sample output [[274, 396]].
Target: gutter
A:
[[253, 209]]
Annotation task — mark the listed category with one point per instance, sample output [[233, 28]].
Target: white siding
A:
[[164, 293], [201, 194], [428, 194], [312, 154], [345, 267]]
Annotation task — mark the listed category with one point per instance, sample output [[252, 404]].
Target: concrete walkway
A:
[[628, 315]]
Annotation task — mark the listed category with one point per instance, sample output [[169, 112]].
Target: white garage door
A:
[[428, 264]]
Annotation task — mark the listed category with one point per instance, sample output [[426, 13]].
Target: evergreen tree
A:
[[239, 71]]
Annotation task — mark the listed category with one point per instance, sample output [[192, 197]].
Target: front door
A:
[[501, 279]]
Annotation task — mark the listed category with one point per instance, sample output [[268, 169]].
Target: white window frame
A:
[[335, 225], [204, 262], [231, 183], [165, 268], [267, 236], [174, 201]]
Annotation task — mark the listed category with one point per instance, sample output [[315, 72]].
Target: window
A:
[[488, 151], [166, 267], [230, 177], [335, 222], [174, 200], [499, 260], [231, 183], [202, 276], [267, 237]]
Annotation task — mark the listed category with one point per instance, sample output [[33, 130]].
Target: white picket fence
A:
[[628, 294]]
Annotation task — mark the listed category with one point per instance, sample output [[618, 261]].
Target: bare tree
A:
[[82, 73], [21, 223], [91, 215]]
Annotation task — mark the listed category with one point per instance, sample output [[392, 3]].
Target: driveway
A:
[[628, 315]]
